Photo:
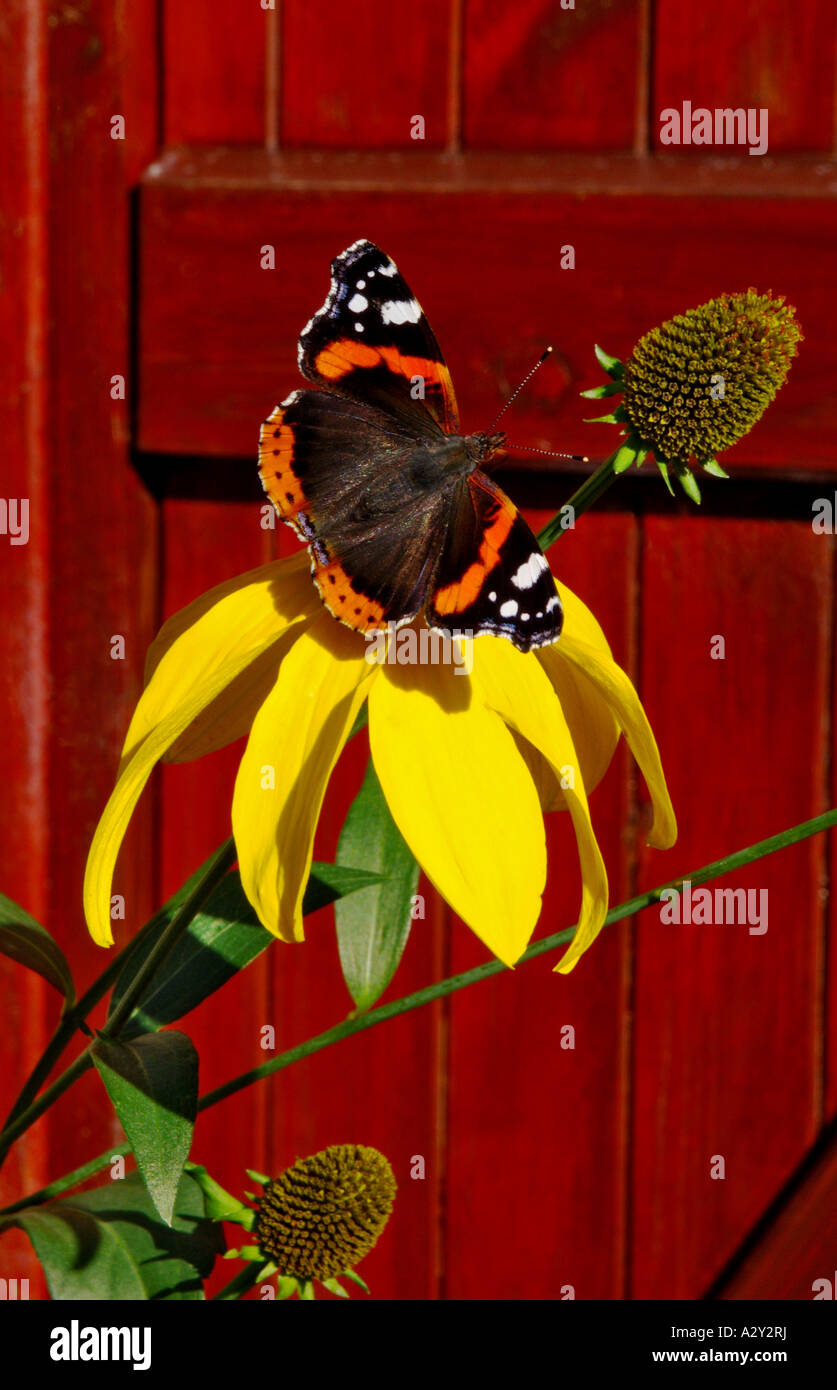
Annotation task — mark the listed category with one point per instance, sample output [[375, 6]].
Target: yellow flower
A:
[[467, 761]]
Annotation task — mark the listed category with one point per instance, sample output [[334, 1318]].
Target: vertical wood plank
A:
[[29, 1006], [214, 72], [538, 76], [355, 76], [759, 54], [728, 1024], [205, 543], [101, 521], [535, 1167]]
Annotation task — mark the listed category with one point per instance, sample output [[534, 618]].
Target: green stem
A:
[[216, 869], [358, 1024], [584, 496]]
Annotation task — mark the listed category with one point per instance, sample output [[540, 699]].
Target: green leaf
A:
[[598, 393], [333, 1287], [689, 484], [355, 1278], [712, 466], [110, 1244], [373, 924], [219, 1204], [26, 941], [611, 365], [223, 938], [153, 1085], [625, 456]]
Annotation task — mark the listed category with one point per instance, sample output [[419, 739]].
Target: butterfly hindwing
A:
[[358, 490], [493, 576], [372, 341]]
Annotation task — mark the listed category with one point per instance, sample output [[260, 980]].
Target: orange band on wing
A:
[[346, 355], [343, 600], [276, 454], [456, 597]]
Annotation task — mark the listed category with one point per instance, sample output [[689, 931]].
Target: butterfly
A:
[[373, 474]]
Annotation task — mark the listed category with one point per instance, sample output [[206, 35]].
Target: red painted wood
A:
[[138, 38], [542, 76], [214, 72], [101, 521], [797, 1248], [728, 1024], [30, 1007], [760, 54], [535, 1178], [353, 77], [212, 367], [204, 544]]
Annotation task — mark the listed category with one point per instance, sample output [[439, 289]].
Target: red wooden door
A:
[[290, 126]]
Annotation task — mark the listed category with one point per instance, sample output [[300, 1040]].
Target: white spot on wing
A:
[[358, 327], [527, 574], [387, 270], [492, 597], [509, 608], [553, 603], [400, 311], [357, 304]]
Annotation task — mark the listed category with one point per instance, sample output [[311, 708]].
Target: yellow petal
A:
[[461, 796], [230, 627], [592, 725], [516, 686], [192, 666], [617, 690], [294, 743], [133, 775]]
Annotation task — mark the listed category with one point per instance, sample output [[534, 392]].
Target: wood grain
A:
[[353, 77], [538, 75], [213, 365], [758, 54], [728, 1023], [536, 1166], [214, 72]]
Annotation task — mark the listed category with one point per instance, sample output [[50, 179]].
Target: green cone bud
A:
[[697, 384], [320, 1217]]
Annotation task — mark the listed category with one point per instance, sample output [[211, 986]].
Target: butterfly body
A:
[[373, 474]]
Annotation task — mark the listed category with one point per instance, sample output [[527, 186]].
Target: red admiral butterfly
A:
[[373, 474]]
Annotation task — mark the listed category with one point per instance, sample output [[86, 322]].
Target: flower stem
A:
[[217, 867], [584, 496], [360, 1022]]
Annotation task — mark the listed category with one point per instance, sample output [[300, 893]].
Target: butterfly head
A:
[[482, 448]]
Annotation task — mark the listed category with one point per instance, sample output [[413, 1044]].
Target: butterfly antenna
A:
[[517, 390], [522, 448]]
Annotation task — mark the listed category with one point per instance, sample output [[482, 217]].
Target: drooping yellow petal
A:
[[230, 627], [133, 775], [463, 799], [516, 686], [294, 743], [191, 668], [617, 689], [592, 725]]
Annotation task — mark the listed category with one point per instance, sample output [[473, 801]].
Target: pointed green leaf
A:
[[153, 1086], [625, 456], [110, 1244], [712, 466], [611, 365], [286, 1286], [663, 467], [355, 1278], [333, 1287], [597, 393], [219, 1204], [689, 484], [373, 924], [26, 941], [222, 939]]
